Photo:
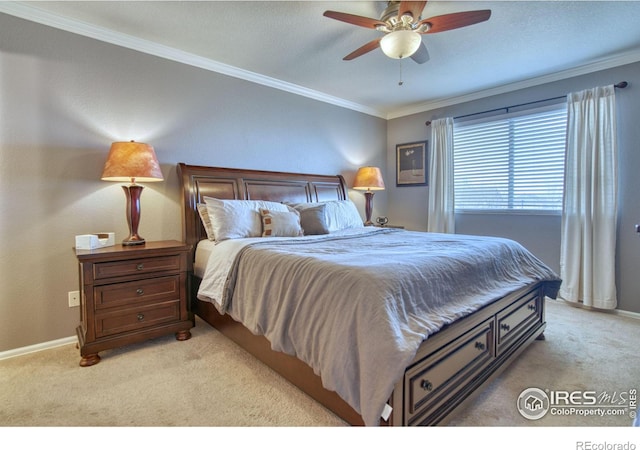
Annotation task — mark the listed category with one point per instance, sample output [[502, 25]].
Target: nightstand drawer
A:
[[120, 321], [136, 267], [137, 292]]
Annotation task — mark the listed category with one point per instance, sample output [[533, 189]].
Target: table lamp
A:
[[132, 161], [368, 179]]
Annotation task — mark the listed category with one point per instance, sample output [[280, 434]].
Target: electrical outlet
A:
[[74, 299]]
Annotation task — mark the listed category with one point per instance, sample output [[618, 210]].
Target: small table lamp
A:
[[368, 179], [132, 161]]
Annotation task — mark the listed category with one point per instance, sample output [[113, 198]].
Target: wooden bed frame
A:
[[449, 367]]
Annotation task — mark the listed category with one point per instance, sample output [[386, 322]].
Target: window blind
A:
[[514, 163]]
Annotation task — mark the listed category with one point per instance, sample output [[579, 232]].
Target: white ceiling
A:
[[290, 45]]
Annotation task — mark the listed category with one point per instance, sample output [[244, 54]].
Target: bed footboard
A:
[[454, 363]]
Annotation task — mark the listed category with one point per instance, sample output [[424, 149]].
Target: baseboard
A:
[[619, 312], [614, 312], [38, 347]]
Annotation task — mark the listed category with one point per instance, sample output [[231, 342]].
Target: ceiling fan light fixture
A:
[[400, 44]]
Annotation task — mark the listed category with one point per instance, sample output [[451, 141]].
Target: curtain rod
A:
[[621, 85]]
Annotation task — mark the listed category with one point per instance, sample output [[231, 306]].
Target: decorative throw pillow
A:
[[206, 222], [234, 219], [336, 215], [312, 219], [280, 223]]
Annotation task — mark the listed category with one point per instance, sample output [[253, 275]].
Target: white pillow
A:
[[337, 215], [280, 223], [342, 214], [233, 219]]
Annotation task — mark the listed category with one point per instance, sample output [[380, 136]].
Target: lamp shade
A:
[[132, 161], [368, 178], [400, 44]]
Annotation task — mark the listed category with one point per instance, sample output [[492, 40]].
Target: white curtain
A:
[[441, 217], [587, 259]]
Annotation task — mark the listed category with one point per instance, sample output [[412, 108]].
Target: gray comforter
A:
[[356, 307]]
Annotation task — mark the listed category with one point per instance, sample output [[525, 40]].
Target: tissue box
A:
[[96, 240]]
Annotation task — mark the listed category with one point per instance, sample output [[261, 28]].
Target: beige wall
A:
[[65, 98]]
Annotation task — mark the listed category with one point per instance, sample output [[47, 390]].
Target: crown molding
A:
[[602, 64], [34, 14]]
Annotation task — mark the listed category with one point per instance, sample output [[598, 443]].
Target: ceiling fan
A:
[[403, 28]]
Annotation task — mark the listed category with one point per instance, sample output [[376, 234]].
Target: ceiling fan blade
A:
[[421, 55], [366, 48], [353, 19], [413, 8], [452, 21]]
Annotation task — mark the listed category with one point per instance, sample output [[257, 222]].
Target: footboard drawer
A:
[[443, 374], [518, 319]]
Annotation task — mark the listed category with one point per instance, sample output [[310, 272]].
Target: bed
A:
[[309, 308]]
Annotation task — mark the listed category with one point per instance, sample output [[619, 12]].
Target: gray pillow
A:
[[312, 219], [329, 216]]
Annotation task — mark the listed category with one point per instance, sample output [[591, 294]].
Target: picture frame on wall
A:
[[411, 164]]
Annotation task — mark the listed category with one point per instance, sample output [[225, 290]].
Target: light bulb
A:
[[400, 44]]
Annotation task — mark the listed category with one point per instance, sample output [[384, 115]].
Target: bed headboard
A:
[[240, 184]]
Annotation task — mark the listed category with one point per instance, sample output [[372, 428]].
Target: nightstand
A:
[[129, 294]]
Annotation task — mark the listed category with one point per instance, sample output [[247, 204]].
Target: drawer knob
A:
[[140, 317], [140, 291], [140, 266], [531, 306], [505, 326], [480, 345], [426, 385]]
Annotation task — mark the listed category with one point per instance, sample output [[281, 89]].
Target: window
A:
[[514, 163]]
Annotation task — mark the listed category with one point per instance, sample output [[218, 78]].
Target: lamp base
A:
[[368, 207], [132, 194], [133, 240]]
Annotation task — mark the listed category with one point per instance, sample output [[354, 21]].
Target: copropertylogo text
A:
[[535, 403]]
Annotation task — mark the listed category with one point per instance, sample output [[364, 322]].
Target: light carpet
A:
[[209, 381]]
